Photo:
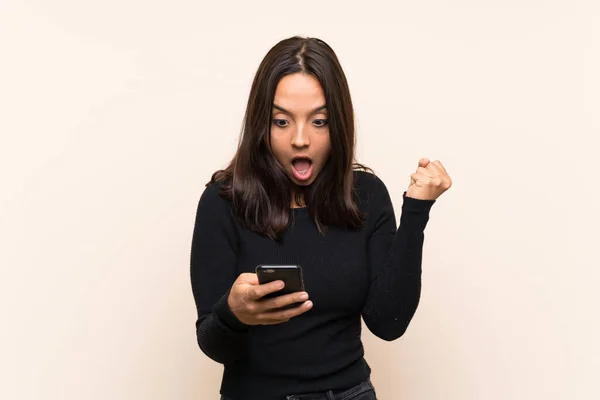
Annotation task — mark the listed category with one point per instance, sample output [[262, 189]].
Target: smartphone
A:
[[291, 275]]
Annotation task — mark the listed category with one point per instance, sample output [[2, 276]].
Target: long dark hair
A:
[[255, 182]]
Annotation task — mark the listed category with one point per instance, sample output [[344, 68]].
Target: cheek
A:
[[277, 148], [325, 147]]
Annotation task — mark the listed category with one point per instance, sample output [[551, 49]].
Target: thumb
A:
[[423, 162], [248, 278]]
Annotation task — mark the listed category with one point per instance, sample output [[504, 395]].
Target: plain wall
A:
[[114, 114]]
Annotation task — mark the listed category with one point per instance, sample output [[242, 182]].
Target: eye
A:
[[282, 123], [320, 123]]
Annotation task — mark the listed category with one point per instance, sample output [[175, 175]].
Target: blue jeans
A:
[[362, 391]]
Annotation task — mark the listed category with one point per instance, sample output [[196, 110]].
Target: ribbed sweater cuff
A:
[[416, 205], [226, 316], [415, 213]]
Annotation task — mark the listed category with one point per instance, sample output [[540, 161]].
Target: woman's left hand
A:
[[429, 182]]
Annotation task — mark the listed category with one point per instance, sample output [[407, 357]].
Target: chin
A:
[[304, 183]]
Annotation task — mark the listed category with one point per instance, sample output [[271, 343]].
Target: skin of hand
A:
[[429, 181], [247, 304]]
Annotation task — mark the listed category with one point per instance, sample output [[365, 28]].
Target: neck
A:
[[297, 202]]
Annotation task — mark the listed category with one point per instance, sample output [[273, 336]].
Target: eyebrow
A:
[[323, 107]]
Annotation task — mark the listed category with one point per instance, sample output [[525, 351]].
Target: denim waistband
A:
[[345, 394]]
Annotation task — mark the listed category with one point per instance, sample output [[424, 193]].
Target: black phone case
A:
[[291, 275]]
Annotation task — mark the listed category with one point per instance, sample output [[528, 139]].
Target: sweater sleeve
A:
[[394, 256], [221, 336]]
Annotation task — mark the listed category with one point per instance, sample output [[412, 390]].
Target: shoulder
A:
[[368, 182], [373, 199], [366, 178], [214, 217], [370, 191], [211, 191], [212, 199]]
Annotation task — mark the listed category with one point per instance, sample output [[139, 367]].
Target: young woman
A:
[[293, 195]]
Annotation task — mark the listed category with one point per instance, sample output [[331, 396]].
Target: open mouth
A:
[[302, 167]]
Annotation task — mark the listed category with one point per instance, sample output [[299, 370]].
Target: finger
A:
[[421, 179], [436, 168], [423, 162], [426, 172], [435, 181], [259, 291], [439, 165], [285, 315], [282, 301]]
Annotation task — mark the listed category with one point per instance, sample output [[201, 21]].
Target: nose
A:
[[300, 137]]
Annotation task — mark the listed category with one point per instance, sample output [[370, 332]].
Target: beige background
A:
[[113, 114]]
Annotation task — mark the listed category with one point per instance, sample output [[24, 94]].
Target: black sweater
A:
[[374, 273]]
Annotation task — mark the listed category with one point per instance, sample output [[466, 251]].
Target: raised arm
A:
[[395, 262]]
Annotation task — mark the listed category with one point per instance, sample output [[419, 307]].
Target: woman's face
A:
[[299, 128]]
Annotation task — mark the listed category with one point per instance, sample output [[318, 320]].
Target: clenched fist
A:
[[429, 182]]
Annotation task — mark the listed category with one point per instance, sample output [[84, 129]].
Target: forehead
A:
[[299, 93]]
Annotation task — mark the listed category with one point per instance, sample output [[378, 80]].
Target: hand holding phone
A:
[[268, 303]]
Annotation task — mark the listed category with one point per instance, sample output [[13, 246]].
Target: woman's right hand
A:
[[247, 303]]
